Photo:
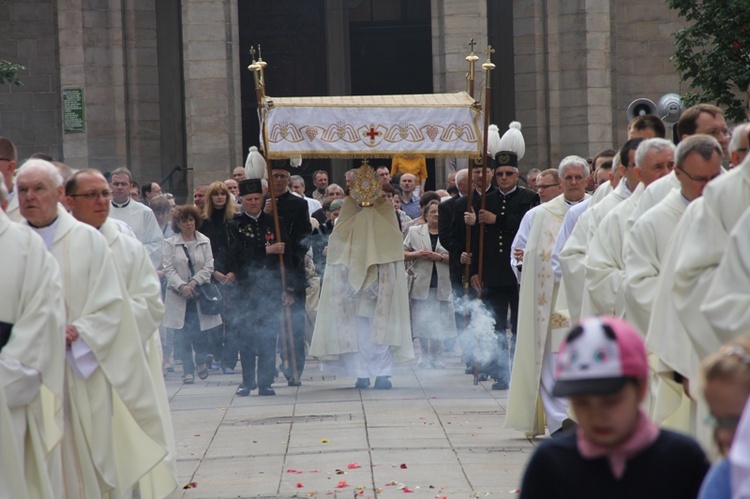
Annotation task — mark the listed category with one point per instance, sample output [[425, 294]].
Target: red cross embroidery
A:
[[372, 133]]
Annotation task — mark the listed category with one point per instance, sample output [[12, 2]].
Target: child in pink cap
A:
[[615, 452]]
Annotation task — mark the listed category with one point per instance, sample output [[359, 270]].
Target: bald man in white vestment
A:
[[86, 197], [604, 293], [107, 384], [32, 349]]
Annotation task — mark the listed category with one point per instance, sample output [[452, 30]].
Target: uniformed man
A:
[[253, 263]]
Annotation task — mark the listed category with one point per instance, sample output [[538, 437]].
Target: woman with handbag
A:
[[431, 295], [188, 265]]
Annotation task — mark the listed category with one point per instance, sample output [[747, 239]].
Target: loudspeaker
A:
[[639, 107], [669, 108]]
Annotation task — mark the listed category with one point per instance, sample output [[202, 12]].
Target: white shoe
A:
[[422, 364]]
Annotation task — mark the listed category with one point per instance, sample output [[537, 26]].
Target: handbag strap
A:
[[190, 262]]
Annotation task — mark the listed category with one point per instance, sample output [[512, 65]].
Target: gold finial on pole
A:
[[254, 67], [261, 72]]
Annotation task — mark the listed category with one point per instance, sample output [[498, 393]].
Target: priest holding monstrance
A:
[[363, 324]]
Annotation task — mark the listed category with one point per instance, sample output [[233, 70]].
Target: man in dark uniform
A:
[[253, 262], [294, 211], [504, 209]]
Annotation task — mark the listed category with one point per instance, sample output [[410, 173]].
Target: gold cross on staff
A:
[[471, 44], [490, 51], [252, 53]]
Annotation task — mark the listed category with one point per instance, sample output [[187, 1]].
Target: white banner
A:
[[446, 125]]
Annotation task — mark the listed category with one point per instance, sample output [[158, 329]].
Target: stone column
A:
[[212, 89]]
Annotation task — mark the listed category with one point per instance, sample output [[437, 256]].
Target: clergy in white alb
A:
[[530, 400], [86, 196], [105, 362], [724, 201], [138, 216], [604, 292], [548, 187], [363, 324], [573, 250], [32, 349]]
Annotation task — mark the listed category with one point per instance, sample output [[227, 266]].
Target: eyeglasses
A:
[[505, 174], [93, 196], [724, 132], [542, 187], [280, 175], [722, 423], [700, 180]]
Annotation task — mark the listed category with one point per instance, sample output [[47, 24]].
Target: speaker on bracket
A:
[[669, 108], [641, 106]]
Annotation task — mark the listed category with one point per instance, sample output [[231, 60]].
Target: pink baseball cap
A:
[[598, 356]]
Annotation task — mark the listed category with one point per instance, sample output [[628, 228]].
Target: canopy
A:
[[444, 125]]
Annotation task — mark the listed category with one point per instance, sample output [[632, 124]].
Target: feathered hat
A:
[[255, 165], [511, 146]]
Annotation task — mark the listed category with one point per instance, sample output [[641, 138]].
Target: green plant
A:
[[712, 53], [9, 73]]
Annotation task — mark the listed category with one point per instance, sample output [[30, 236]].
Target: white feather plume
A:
[[295, 161], [255, 164], [493, 141], [512, 140]]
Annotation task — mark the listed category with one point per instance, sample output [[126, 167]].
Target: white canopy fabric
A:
[[434, 125]]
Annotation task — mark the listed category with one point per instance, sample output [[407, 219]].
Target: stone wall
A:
[[579, 63], [30, 115], [212, 89]]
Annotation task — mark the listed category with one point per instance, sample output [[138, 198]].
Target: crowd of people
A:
[[123, 285]]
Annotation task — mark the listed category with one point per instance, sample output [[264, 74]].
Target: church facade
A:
[[162, 86]]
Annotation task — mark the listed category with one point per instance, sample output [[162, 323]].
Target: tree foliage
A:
[[712, 53], [9, 73]]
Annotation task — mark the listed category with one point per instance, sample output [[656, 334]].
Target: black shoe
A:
[[266, 391], [292, 382], [243, 391], [362, 383], [500, 384], [383, 383]]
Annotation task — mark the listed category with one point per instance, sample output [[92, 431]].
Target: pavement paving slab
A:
[[434, 435]]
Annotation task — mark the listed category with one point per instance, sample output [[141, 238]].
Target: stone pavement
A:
[[434, 433]]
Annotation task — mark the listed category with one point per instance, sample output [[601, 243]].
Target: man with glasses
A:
[[532, 376], [294, 212], [605, 272], [738, 145], [8, 164], [501, 218], [138, 216], [707, 119]]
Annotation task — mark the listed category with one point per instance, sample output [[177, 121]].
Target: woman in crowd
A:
[[726, 377], [427, 197], [219, 209], [433, 320], [187, 249]]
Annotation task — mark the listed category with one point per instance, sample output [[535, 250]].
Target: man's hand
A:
[[476, 283], [518, 254], [275, 249], [71, 334], [287, 299], [487, 217], [267, 208], [465, 258], [470, 218]]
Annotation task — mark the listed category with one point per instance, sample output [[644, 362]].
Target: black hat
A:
[[281, 164], [251, 186], [506, 158]]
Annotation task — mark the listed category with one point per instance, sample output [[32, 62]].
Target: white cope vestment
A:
[[727, 304], [536, 319], [142, 220], [364, 295], [644, 252], [723, 202], [106, 376], [668, 342], [142, 287], [574, 252], [603, 290], [32, 365]]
